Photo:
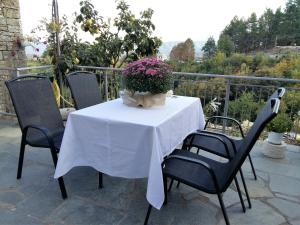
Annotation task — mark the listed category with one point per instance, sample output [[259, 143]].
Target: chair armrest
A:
[[43, 130], [197, 162], [222, 135], [212, 136], [226, 118]]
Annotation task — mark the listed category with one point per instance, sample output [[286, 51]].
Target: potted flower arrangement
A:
[[146, 81], [274, 146]]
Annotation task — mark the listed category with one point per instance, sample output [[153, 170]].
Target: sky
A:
[[174, 20]]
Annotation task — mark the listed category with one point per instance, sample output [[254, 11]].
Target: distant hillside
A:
[[166, 48], [278, 51]]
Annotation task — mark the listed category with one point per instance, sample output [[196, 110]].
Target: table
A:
[[129, 142]]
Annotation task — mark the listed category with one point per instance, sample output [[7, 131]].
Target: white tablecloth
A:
[[129, 142]]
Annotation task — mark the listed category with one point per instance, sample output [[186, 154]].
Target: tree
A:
[[278, 26], [184, 51], [267, 29], [225, 45], [210, 47], [127, 38], [237, 31], [291, 22], [253, 32]]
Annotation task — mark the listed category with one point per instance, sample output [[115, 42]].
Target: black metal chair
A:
[[235, 142], [85, 92], [210, 142], [39, 117], [209, 175], [84, 89]]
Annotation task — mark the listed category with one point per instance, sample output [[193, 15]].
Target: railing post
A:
[[18, 72], [106, 87], [123, 83], [100, 85], [226, 106]]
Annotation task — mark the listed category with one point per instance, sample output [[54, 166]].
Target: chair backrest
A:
[[268, 112], [34, 102], [84, 89], [278, 93]]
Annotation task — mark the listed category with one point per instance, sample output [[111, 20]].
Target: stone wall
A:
[[12, 53]]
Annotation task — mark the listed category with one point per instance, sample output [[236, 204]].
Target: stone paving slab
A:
[[36, 199], [260, 213], [288, 208], [285, 185]]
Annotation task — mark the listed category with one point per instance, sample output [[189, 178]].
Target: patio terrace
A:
[[35, 199]]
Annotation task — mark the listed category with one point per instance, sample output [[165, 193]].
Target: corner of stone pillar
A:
[[12, 54]]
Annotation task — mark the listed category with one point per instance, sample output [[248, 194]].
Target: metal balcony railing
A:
[[229, 95]]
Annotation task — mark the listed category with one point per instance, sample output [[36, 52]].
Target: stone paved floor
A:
[[36, 199]]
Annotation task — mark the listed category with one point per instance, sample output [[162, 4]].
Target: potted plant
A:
[[146, 81], [277, 127], [274, 147]]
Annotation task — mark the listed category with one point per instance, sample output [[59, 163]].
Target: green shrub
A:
[[280, 124], [292, 102], [245, 107]]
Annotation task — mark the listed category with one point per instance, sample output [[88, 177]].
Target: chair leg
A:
[[100, 184], [21, 158], [62, 188], [252, 167], [148, 214], [223, 209], [245, 188], [170, 186], [60, 180], [240, 194], [165, 189], [178, 183]]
